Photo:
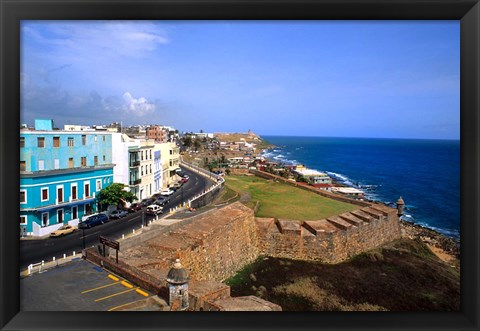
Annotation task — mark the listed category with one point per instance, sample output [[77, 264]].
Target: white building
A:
[[316, 177]]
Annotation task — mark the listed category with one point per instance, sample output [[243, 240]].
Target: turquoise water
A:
[[426, 173]]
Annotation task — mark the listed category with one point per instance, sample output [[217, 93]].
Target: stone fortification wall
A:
[[313, 189], [212, 246], [330, 240], [228, 243]]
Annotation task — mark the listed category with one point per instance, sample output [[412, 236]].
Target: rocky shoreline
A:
[[446, 248]]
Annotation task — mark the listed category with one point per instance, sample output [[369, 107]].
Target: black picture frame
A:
[[13, 11]]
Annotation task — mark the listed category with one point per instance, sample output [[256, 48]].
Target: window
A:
[[40, 142], [84, 161], [104, 158], [23, 219], [84, 139], [70, 142], [44, 219], [150, 154], [87, 190], [70, 162], [74, 212], [95, 138], [22, 142], [23, 196], [95, 160], [99, 184], [141, 168], [41, 165], [103, 137], [74, 192], [150, 168], [23, 166], [59, 215], [44, 193], [59, 194], [56, 163], [56, 141], [142, 155]]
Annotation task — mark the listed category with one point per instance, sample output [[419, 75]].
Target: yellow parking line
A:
[[124, 283], [97, 288], [145, 294], [113, 277], [112, 295], [111, 309]]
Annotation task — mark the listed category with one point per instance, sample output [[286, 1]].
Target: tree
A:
[[114, 194], [187, 141], [197, 144]]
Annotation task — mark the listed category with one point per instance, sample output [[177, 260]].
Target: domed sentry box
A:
[[177, 279], [400, 206]]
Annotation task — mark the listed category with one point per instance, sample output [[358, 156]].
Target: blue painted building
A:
[[61, 172]]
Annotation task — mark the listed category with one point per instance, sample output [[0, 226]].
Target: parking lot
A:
[[78, 286]]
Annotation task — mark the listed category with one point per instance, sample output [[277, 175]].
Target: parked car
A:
[[183, 180], [147, 201], [162, 200], [135, 207], [176, 186], [166, 192], [119, 213], [93, 220], [154, 210], [63, 230]]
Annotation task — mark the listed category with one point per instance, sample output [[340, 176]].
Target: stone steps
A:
[[319, 227], [362, 215], [339, 223], [374, 213], [352, 219], [342, 222]]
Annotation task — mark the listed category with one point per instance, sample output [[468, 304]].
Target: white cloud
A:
[[49, 101], [108, 38], [138, 107]]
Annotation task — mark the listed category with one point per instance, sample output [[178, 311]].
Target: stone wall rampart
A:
[[330, 240]]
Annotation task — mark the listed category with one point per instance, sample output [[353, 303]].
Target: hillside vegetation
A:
[[403, 276]]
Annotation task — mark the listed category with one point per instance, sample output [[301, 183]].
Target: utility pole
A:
[[83, 238], [182, 194]]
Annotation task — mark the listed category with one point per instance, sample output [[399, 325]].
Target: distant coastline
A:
[[289, 150]]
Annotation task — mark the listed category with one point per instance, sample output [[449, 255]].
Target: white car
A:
[[154, 210], [166, 192]]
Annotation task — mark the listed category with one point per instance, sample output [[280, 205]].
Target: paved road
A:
[[78, 286], [34, 251]]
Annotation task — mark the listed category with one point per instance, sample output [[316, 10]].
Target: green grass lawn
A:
[[283, 201]]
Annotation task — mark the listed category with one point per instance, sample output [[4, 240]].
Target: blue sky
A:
[[313, 78]]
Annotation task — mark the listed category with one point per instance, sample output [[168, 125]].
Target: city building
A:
[[61, 172], [170, 160], [157, 133]]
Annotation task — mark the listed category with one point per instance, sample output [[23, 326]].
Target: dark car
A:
[[92, 221], [147, 201], [135, 207], [162, 201]]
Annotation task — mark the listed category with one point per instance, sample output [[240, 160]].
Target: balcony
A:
[[134, 164], [135, 182]]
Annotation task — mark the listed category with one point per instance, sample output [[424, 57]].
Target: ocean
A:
[[426, 173]]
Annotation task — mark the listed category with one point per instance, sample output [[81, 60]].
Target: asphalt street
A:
[[36, 250]]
